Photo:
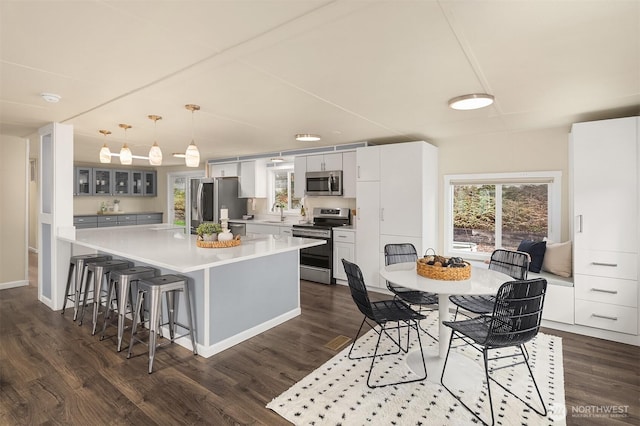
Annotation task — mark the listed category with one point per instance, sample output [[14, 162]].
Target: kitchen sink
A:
[[273, 221]]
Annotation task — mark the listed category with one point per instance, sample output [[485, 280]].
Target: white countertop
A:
[[168, 247]]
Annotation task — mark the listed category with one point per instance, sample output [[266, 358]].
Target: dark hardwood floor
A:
[[54, 372]]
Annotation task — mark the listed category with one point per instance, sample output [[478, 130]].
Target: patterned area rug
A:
[[337, 393]]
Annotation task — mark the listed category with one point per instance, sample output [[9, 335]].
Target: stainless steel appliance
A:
[[316, 263], [209, 195], [323, 183]]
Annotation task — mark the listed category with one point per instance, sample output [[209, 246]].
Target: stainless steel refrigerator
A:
[[209, 195]]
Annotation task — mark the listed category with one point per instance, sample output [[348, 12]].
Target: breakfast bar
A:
[[238, 292]]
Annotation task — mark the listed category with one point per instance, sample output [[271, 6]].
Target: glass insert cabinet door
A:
[[121, 182], [137, 187], [102, 181], [83, 177], [150, 183]]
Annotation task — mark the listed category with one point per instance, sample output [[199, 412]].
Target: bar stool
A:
[[155, 287], [120, 286], [100, 272], [78, 264]]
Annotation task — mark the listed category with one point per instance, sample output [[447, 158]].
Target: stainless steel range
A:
[[316, 263]]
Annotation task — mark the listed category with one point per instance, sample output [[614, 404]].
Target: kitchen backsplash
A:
[[91, 205], [261, 210]]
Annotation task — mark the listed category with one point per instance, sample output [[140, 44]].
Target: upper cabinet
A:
[[345, 161], [112, 182], [253, 179], [224, 170], [368, 164], [324, 162], [82, 181]]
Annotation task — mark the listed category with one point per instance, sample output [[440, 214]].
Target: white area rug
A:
[[337, 392]]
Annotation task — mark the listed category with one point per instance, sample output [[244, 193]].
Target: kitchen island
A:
[[237, 292]]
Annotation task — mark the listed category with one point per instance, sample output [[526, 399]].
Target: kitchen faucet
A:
[[281, 207]]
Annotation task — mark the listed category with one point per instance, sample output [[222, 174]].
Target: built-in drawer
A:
[[606, 316], [151, 217], [606, 264], [607, 290], [344, 237], [558, 304], [107, 221], [127, 220], [85, 221]]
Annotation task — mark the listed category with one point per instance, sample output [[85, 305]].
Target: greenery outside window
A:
[[490, 211], [281, 186]]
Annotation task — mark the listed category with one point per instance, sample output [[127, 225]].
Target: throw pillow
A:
[[536, 251], [557, 259]]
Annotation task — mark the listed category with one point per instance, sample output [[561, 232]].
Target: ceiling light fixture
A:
[[192, 155], [51, 97], [472, 101], [105, 152], [307, 137], [126, 157], [155, 153], [277, 160], [179, 155]]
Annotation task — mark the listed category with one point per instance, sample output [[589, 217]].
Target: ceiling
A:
[[264, 70]]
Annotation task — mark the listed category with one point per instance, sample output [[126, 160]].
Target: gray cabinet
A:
[[114, 182], [106, 220]]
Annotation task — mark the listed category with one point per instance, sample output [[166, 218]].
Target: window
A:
[[281, 186], [486, 212]]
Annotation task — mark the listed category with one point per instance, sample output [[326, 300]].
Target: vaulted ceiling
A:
[[350, 71]]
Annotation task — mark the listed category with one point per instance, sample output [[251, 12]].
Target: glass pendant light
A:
[[192, 154], [126, 157], [105, 153], [155, 153]]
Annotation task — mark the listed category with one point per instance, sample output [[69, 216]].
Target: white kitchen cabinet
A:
[[400, 207], [224, 170], [349, 174], [261, 228], [324, 162], [368, 164], [344, 247], [604, 179], [299, 176], [253, 179]]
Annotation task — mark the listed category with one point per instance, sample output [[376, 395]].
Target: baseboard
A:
[[14, 284], [629, 339]]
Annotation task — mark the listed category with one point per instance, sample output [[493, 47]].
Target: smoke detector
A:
[[51, 97]]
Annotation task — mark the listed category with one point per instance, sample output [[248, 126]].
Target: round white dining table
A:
[[482, 281]]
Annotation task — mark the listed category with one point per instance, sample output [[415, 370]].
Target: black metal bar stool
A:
[[78, 265], [155, 287], [120, 287], [100, 272]]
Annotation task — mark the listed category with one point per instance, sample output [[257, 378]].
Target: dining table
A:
[[482, 281]]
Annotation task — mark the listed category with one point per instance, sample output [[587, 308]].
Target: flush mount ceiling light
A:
[[155, 153], [105, 152], [51, 97], [307, 137], [472, 101], [277, 160], [192, 155], [126, 157]]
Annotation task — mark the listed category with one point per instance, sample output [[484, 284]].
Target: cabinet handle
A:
[[602, 290], [604, 264], [342, 236], [579, 217], [605, 317], [358, 172], [382, 214], [358, 215]]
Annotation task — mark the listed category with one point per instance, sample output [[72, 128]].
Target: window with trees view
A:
[[281, 188], [485, 212]]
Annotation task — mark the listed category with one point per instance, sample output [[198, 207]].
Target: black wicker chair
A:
[[514, 321], [388, 314], [513, 263]]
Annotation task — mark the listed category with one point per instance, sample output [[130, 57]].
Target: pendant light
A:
[[155, 153], [105, 153], [192, 155], [125, 153]]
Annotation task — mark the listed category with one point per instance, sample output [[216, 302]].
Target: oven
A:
[[316, 263]]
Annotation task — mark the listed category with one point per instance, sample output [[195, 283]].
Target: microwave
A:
[[323, 183]]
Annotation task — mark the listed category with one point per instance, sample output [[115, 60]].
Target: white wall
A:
[[13, 211], [540, 150]]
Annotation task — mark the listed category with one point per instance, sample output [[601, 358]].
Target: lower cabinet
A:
[[344, 247], [103, 221]]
